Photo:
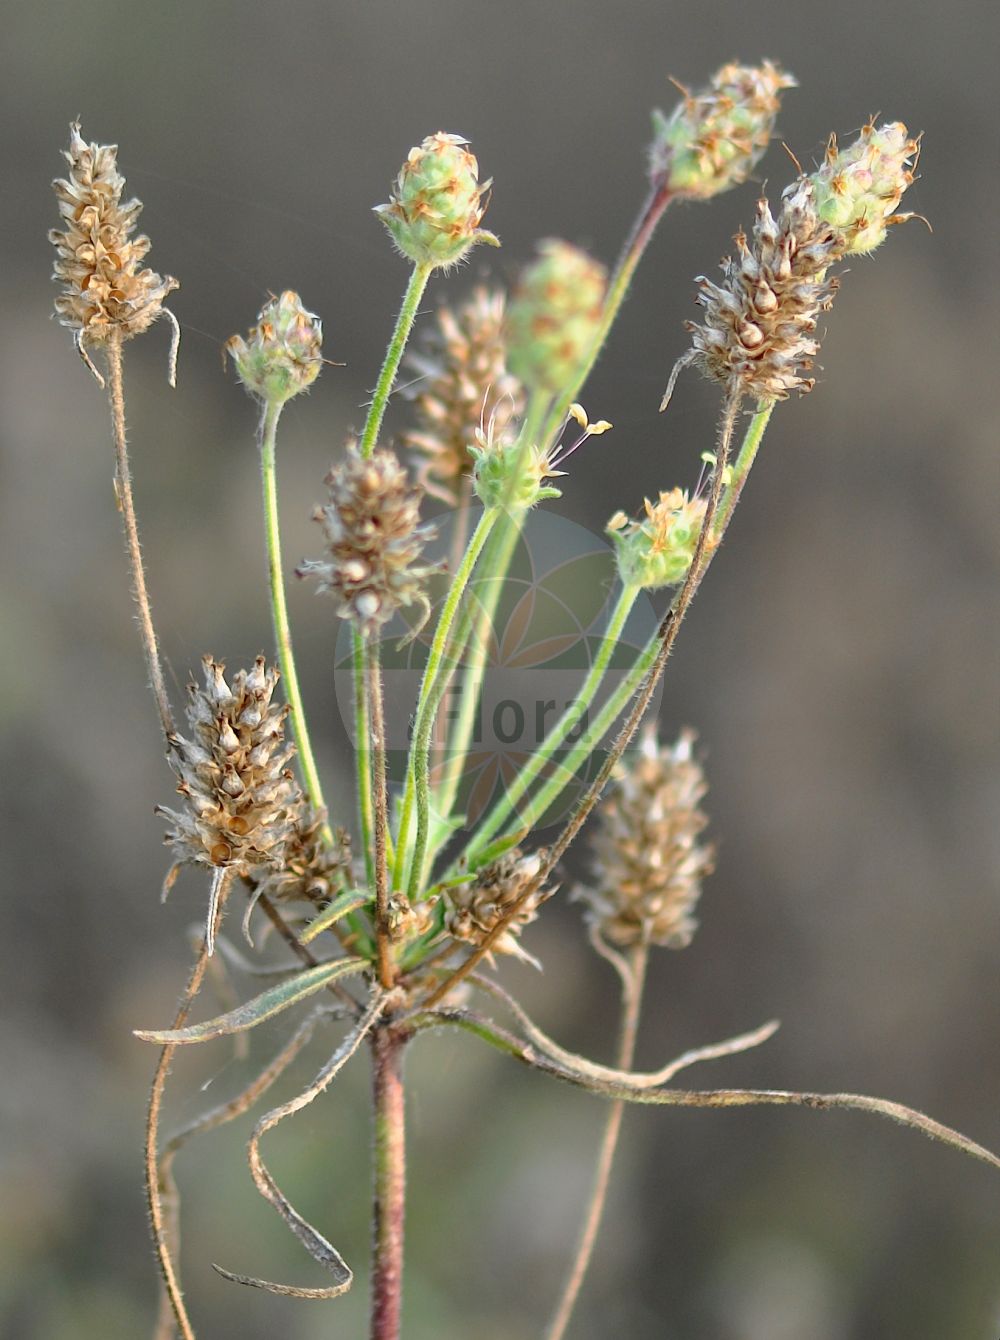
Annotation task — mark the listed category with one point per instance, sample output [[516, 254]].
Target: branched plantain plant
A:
[[398, 927]]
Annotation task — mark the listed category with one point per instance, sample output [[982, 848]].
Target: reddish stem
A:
[[387, 1046]]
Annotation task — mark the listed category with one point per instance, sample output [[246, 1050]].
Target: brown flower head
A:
[[462, 383], [311, 870], [374, 539], [98, 259], [478, 906], [758, 334], [649, 863], [241, 801]]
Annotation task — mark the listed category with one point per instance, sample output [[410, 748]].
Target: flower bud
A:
[[714, 139], [281, 355], [657, 549], [858, 188], [554, 316], [434, 213]]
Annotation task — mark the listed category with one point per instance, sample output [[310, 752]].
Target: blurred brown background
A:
[[840, 666]]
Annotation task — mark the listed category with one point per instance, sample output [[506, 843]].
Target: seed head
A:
[[374, 539], [282, 354], [758, 335], [475, 908], [434, 211], [657, 548], [649, 864], [858, 189], [463, 383], [554, 316], [241, 800], [714, 139], [311, 870], [97, 259]]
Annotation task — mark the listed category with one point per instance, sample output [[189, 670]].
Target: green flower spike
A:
[[281, 355], [714, 139], [434, 213], [858, 189], [656, 549], [555, 316]]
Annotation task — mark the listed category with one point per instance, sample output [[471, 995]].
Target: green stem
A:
[[393, 354], [435, 679], [567, 723], [279, 611], [747, 455], [363, 754], [380, 806], [498, 561]]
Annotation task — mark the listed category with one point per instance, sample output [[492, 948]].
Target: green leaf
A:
[[340, 907], [264, 1006]]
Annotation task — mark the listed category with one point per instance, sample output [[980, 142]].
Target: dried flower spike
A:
[[478, 906], [657, 548], [435, 209], [463, 383], [858, 189], [242, 802], [98, 260], [311, 869], [649, 863], [714, 139], [554, 316], [372, 532], [758, 335], [282, 354]]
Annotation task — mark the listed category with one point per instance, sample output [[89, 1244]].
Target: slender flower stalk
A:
[[380, 806], [419, 276], [387, 1046], [633, 977]]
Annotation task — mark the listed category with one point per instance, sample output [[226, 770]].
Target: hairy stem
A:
[[632, 988], [123, 480], [380, 808], [436, 675], [566, 724], [393, 355], [389, 1191], [279, 610]]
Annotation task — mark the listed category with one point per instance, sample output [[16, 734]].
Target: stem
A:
[[632, 252], [747, 455], [383, 947], [632, 987], [147, 633], [705, 549], [279, 611], [363, 751], [393, 354], [436, 675], [389, 1181], [568, 722], [165, 1234]]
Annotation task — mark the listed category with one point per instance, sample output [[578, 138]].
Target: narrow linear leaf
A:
[[341, 906], [264, 1006]]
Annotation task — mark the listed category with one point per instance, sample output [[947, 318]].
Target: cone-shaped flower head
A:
[[98, 260], [374, 540], [554, 316], [858, 189], [758, 334], [713, 139], [282, 354], [311, 869], [241, 800], [462, 385], [478, 906], [649, 863], [437, 203], [657, 548]]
